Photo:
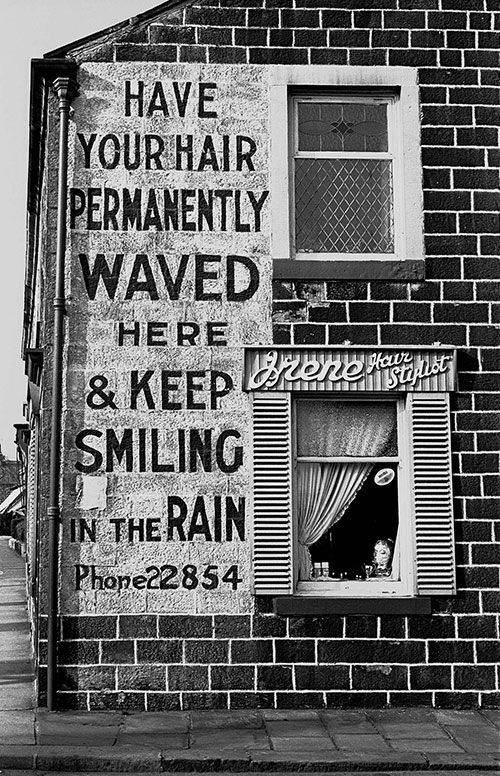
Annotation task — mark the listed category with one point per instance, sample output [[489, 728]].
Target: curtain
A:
[[325, 490], [324, 493]]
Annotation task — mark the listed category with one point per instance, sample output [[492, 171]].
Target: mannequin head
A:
[[382, 557]]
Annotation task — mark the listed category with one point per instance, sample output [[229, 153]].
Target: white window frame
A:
[[405, 586], [408, 212], [393, 154]]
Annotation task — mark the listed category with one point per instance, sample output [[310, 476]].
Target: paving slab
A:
[[17, 756], [76, 729], [57, 720], [356, 722], [18, 725], [395, 730], [464, 760], [425, 745], [16, 695], [84, 739], [101, 759], [164, 721], [492, 715], [362, 729], [294, 761], [222, 741], [301, 744], [225, 719], [360, 743], [289, 714], [205, 761], [161, 741], [403, 715], [307, 727], [459, 717], [475, 738]]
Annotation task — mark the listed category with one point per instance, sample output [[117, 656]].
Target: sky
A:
[[31, 28]]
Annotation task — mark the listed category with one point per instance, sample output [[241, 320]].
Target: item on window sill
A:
[[381, 564], [319, 570]]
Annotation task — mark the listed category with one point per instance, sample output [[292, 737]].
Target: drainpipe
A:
[[65, 89]]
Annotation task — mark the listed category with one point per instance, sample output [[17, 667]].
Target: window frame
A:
[[271, 377], [405, 586], [407, 263], [393, 154]]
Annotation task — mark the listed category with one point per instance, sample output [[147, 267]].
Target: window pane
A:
[[336, 126], [343, 206], [357, 541], [333, 428]]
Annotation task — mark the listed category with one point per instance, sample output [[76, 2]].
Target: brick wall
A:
[[158, 662], [449, 658]]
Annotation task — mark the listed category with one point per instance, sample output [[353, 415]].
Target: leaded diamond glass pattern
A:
[[344, 206]]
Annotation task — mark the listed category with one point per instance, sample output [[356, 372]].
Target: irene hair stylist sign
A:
[[350, 369]]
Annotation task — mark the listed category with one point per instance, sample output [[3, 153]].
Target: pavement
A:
[[390, 741], [251, 741], [16, 672]]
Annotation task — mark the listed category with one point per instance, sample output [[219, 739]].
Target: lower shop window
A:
[[352, 499], [352, 528]]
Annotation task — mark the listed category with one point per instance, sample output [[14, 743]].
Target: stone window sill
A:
[[392, 270], [317, 605]]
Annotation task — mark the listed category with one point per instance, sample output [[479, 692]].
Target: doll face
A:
[[381, 554]]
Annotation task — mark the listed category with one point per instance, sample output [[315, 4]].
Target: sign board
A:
[[349, 369]]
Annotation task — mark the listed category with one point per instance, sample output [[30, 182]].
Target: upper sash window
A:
[[345, 176], [345, 172]]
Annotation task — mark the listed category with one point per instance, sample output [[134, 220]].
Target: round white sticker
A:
[[384, 476]]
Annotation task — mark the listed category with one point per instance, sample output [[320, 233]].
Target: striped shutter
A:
[[431, 453], [272, 493]]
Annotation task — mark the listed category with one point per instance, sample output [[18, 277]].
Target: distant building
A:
[[11, 495], [9, 476], [261, 334]]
